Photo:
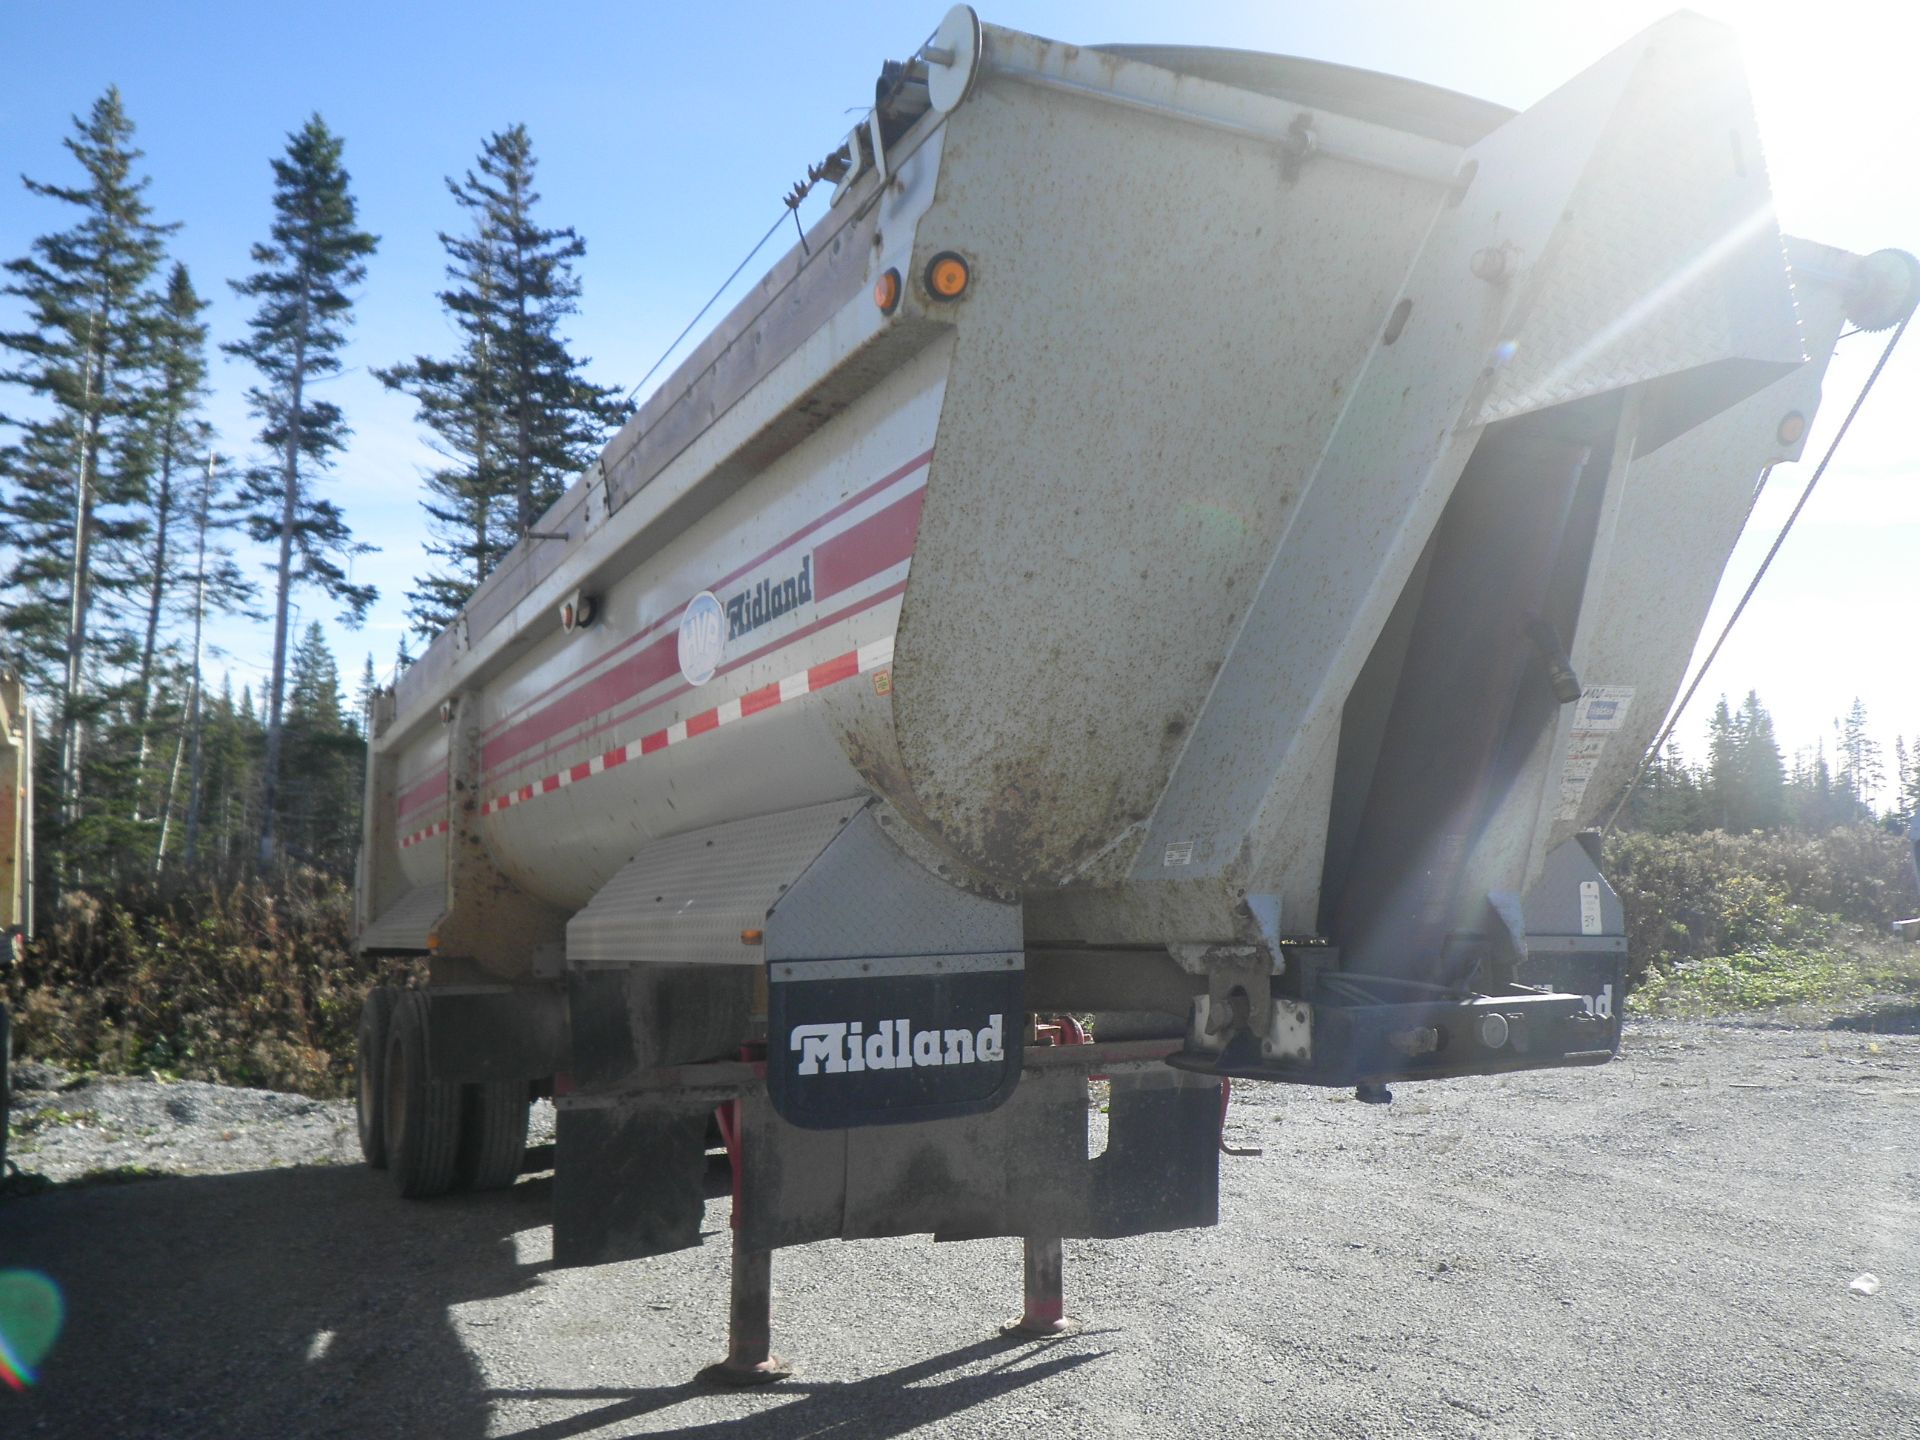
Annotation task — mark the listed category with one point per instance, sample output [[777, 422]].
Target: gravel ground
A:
[[1663, 1247]]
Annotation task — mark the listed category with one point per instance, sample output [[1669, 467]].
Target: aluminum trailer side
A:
[[1191, 537]]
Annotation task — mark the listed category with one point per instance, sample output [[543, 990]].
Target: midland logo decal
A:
[[703, 637], [764, 602], [840, 1048]]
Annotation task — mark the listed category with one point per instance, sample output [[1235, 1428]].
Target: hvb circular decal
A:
[[703, 637]]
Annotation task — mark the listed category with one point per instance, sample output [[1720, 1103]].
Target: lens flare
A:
[[31, 1313]]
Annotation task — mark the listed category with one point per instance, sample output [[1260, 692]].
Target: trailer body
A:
[[1191, 537]]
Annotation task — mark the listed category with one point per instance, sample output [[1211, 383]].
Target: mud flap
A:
[[892, 996]]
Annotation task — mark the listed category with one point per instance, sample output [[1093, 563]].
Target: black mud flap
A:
[[893, 1040], [893, 995]]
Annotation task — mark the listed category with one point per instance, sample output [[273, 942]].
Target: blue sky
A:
[[667, 134]]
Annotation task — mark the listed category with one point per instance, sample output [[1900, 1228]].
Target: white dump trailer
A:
[[1192, 538]]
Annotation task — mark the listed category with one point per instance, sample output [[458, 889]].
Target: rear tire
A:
[[370, 1064], [6, 1083], [493, 1134], [422, 1114]]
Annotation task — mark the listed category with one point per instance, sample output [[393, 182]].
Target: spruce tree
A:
[[75, 470], [315, 257], [178, 441], [1860, 772], [512, 411], [460, 401], [1723, 767], [320, 803]]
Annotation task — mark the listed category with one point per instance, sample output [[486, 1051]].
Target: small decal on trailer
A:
[[883, 682], [703, 637], [1589, 907], [1180, 852], [1602, 707], [1600, 710]]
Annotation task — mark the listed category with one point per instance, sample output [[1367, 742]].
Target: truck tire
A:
[[6, 1084], [369, 1065], [493, 1135], [422, 1114]]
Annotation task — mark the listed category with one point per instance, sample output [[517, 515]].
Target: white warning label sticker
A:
[[1600, 710], [1589, 907]]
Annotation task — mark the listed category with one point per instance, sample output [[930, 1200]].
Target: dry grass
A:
[[244, 981]]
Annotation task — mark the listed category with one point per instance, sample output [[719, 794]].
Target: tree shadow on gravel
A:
[[873, 1409], [280, 1302]]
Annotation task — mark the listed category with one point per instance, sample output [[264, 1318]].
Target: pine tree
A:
[[1861, 773], [460, 401], [363, 696], [75, 472], [315, 257], [556, 419], [1761, 777], [1723, 767], [320, 803], [177, 442]]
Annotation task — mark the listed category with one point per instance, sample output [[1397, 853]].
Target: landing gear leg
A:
[[1044, 1314], [750, 1358]]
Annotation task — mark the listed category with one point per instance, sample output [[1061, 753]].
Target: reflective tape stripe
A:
[[420, 837], [875, 655]]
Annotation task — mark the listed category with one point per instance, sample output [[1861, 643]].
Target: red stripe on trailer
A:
[[918, 462], [433, 788], [875, 656], [879, 542]]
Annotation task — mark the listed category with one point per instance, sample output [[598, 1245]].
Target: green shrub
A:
[[246, 981], [1742, 922]]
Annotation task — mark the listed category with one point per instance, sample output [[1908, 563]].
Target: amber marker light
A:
[[886, 292], [1792, 426], [947, 276], [751, 937]]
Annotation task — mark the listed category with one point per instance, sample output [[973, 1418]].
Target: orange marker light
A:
[[947, 276], [886, 292], [1792, 426], [751, 937]]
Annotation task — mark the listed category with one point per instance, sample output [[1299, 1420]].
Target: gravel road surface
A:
[[1663, 1247]]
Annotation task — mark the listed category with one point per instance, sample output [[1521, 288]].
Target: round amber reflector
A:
[[886, 292], [1792, 426], [947, 276]]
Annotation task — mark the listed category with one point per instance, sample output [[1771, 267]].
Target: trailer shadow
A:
[[277, 1302], [875, 1408], [309, 1301]]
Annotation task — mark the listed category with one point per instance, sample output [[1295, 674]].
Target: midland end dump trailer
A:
[[1192, 538]]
